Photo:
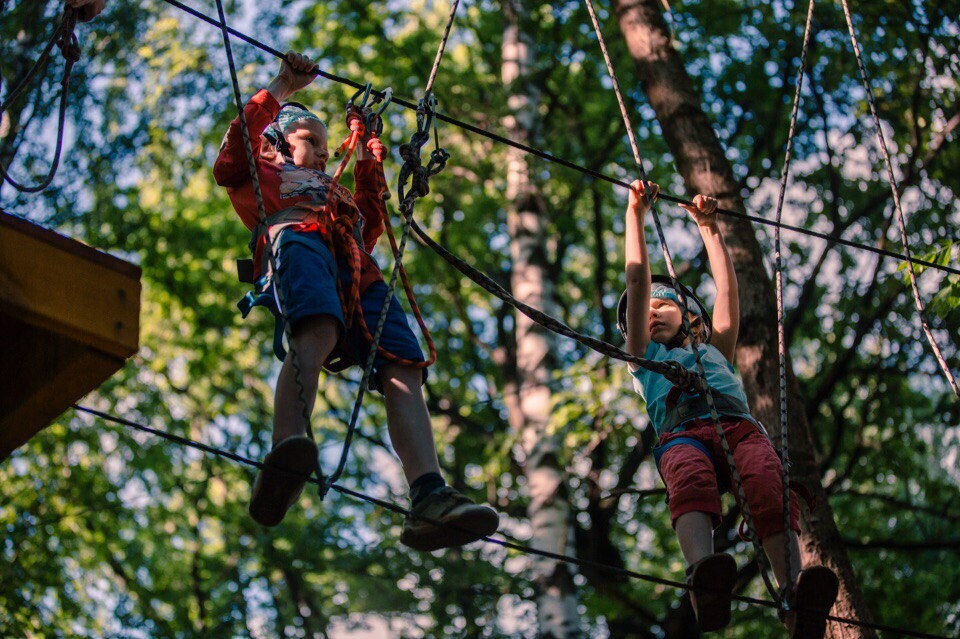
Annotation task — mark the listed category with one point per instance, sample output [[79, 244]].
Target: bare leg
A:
[[695, 534], [409, 421], [314, 339], [776, 551]]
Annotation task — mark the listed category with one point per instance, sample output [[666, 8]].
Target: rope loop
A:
[[438, 161], [413, 170], [66, 40]]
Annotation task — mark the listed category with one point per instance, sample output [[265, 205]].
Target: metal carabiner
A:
[[365, 92], [426, 109], [374, 121]]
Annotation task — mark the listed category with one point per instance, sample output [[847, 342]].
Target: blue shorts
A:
[[307, 273]]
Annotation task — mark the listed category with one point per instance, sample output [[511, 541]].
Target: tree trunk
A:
[[529, 405], [701, 161]]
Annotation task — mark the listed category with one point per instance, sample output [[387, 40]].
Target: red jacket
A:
[[284, 186]]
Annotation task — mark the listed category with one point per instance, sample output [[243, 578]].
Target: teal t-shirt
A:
[[653, 387]]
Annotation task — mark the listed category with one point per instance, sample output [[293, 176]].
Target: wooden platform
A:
[[69, 318]]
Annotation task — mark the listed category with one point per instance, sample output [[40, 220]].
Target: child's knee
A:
[[396, 377], [314, 338]]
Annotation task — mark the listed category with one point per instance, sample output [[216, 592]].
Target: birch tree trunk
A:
[[549, 511], [705, 169]]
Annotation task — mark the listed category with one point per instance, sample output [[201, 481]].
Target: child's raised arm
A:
[[726, 308], [232, 167], [296, 72], [638, 268]]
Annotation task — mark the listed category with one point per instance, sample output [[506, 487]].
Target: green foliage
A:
[[110, 532]]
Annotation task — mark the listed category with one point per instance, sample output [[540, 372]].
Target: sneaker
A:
[[446, 519], [816, 591], [279, 483], [712, 580]]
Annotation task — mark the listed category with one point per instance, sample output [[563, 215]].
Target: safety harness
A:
[[683, 415], [341, 226]]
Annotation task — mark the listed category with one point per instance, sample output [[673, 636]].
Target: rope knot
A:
[[376, 147], [684, 379], [356, 124], [410, 153], [67, 40]]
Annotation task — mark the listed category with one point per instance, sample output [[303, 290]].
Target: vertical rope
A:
[[714, 415], [895, 190], [441, 48], [261, 212], [406, 208], [787, 587]]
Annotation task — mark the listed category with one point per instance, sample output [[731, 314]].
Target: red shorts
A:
[[692, 480]]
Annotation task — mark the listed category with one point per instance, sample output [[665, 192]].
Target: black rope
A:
[[420, 187], [392, 507], [787, 588], [64, 38], [262, 214], [673, 371], [572, 165], [895, 190]]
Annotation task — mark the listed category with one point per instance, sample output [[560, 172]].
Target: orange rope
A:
[[344, 247]]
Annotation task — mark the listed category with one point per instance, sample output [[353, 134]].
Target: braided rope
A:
[[673, 371], [714, 415], [781, 337], [261, 212], [64, 38], [443, 45], [412, 167], [895, 190]]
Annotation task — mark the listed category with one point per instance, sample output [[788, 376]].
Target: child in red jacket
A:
[[290, 149]]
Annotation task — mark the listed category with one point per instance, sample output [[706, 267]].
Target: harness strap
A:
[[679, 413], [342, 239], [795, 486]]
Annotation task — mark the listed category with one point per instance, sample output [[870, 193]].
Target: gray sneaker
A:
[[446, 519]]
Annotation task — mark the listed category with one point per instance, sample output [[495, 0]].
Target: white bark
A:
[[549, 510]]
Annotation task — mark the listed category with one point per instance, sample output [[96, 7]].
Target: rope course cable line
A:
[[707, 394], [66, 40], [671, 370], [895, 190], [392, 507], [566, 163], [778, 271]]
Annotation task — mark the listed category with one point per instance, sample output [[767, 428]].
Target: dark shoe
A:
[[712, 580], [446, 519], [816, 591], [279, 483]]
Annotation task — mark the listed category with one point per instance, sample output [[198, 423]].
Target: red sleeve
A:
[[232, 168], [371, 185]]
